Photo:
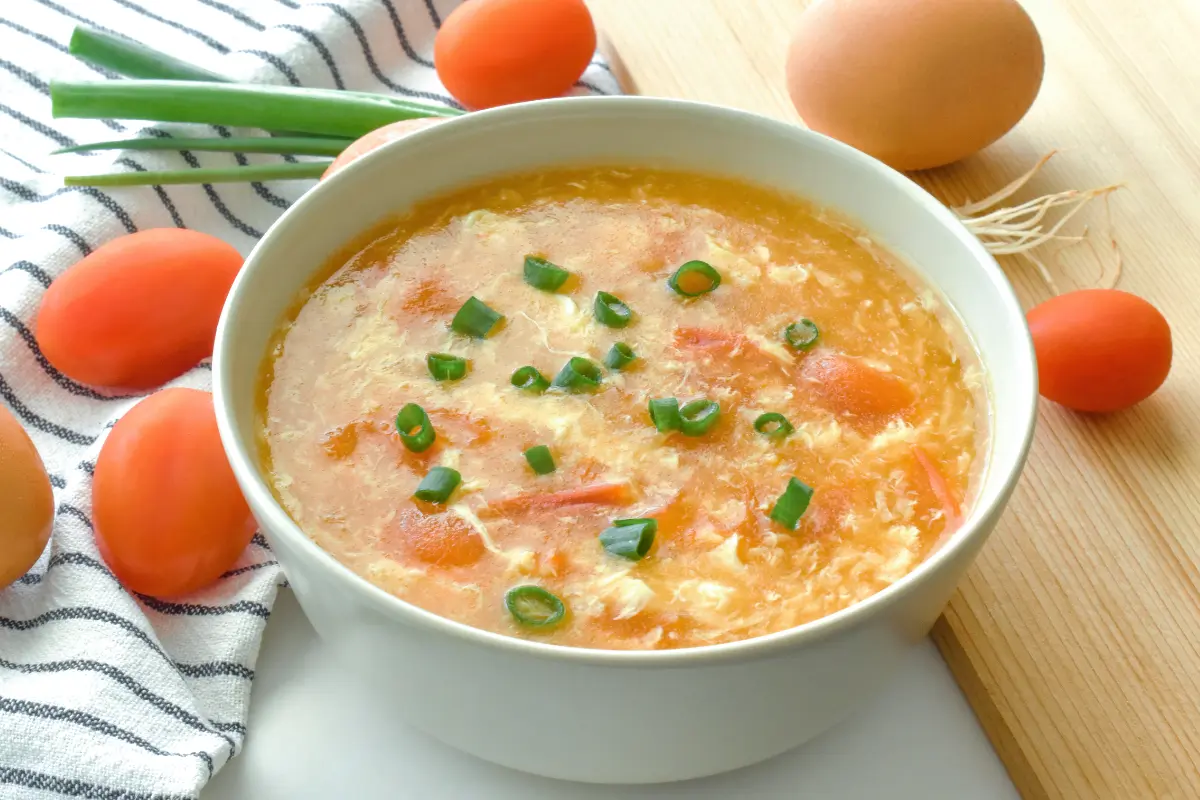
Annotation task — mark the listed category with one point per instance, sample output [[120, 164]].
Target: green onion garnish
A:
[[534, 607], [698, 417], [530, 380], [694, 279], [414, 427], [541, 274], [802, 335], [611, 310], [437, 485], [664, 413], [445, 367], [578, 375], [475, 319], [792, 504], [773, 425], [540, 459], [629, 538], [620, 355]]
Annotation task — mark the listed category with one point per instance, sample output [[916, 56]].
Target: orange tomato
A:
[[951, 509], [439, 539], [377, 138], [138, 311], [26, 501], [169, 515], [1099, 349], [848, 386], [493, 52]]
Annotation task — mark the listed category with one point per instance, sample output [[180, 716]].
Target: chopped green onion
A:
[[530, 380], [792, 504], [414, 428], [280, 108], [629, 538], [437, 485], [664, 413], [131, 59], [773, 425], [802, 335], [475, 319], [256, 172], [541, 274], [578, 375], [540, 459], [534, 607], [611, 310], [699, 416], [620, 355], [445, 367], [694, 279], [298, 145]]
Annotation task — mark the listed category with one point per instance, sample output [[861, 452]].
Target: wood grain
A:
[[1076, 637]]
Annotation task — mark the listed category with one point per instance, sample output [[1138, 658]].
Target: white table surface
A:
[[315, 734]]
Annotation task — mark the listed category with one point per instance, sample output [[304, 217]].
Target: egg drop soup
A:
[[704, 523]]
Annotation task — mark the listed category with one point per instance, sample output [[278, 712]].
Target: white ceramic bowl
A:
[[613, 716]]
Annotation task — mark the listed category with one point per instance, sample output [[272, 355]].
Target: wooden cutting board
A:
[[1076, 637]]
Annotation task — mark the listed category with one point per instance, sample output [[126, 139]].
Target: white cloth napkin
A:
[[102, 693]]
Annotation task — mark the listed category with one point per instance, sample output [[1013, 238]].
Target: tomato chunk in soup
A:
[[882, 409]]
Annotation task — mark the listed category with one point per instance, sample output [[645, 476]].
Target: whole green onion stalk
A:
[[323, 121]]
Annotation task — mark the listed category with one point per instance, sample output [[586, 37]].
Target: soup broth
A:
[[880, 430]]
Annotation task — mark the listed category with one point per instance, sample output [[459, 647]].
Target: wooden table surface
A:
[[1076, 636]]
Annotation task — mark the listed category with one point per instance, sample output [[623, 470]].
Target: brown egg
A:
[[915, 83], [26, 501]]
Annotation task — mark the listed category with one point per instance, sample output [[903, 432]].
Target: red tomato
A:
[[440, 539], [848, 386], [1099, 349], [377, 138], [493, 52], [169, 515], [138, 311]]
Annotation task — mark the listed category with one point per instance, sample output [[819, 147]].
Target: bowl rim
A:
[[975, 528]]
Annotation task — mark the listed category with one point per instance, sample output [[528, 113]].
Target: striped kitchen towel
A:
[[102, 693]]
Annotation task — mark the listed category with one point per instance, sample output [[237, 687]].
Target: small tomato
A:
[[378, 138], [494, 52], [1099, 349], [169, 515], [139, 310]]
